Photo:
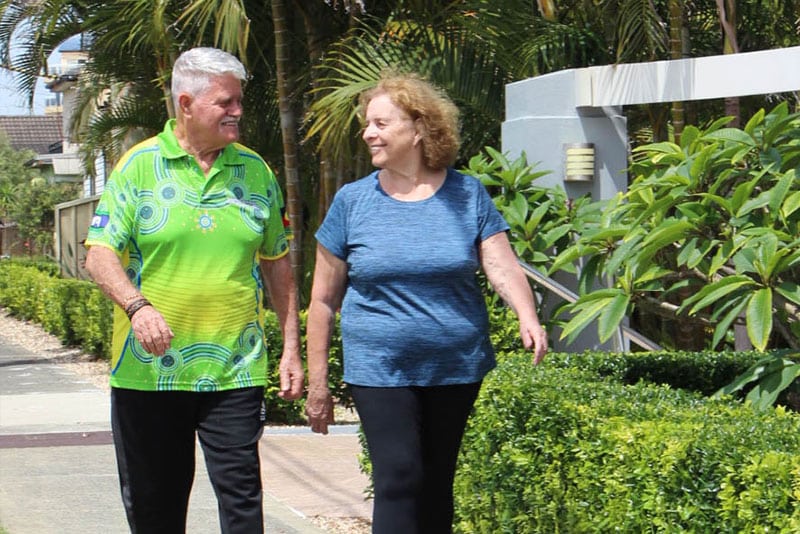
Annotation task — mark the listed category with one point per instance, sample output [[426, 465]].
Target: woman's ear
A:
[[418, 132]]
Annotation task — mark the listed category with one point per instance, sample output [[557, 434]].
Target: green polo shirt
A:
[[192, 243]]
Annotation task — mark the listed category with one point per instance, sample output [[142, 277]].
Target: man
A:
[[188, 227]]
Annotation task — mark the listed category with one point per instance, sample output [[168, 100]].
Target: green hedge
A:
[[78, 313], [587, 443], [702, 372], [73, 310]]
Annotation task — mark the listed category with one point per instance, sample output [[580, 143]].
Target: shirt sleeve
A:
[[332, 233], [277, 231], [113, 221], [490, 221]]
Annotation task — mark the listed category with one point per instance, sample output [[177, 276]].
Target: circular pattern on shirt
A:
[[137, 350], [168, 194], [206, 223], [205, 384], [250, 338], [239, 361], [150, 216], [134, 268], [253, 216], [239, 190], [170, 363]]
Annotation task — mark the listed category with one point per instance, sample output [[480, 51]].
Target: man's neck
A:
[[204, 156]]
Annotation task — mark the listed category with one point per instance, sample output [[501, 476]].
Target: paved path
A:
[[58, 472]]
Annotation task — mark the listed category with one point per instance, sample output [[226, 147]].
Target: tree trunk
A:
[[294, 198], [727, 19], [676, 52], [314, 40]]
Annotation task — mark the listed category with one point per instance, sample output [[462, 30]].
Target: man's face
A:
[[213, 115]]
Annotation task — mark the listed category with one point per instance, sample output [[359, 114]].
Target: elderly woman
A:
[[399, 250]]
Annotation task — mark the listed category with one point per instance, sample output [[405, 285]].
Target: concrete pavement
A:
[[58, 472]]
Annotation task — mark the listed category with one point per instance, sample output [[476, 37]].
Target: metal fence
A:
[[10, 242]]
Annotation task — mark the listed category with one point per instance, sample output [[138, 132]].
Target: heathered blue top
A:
[[413, 313]]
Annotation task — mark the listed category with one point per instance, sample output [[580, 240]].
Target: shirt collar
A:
[[171, 148]]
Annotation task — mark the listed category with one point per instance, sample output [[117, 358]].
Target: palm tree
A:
[[431, 42], [471, 48], [33, 30], [289, 134]]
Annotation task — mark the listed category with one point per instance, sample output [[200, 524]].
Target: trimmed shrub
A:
[[570, 447]]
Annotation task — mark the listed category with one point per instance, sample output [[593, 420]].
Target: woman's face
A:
[[389, 132]]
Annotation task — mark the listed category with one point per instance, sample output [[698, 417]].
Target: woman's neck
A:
[[422, 184]]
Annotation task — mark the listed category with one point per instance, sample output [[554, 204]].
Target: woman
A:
[[399, 250]]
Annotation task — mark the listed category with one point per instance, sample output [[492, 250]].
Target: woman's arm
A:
[[507, 278], [327, 291]]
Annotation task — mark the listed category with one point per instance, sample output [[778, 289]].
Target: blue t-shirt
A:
[[413, 313]]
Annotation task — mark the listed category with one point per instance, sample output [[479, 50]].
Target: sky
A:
[[14, 103]]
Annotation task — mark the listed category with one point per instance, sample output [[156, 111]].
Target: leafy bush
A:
[[711, 224], [706, 235], [701, 372], [563, 448], [79, 314], [74, 311]]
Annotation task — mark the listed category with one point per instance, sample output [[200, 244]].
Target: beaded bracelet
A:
[[135, 306]]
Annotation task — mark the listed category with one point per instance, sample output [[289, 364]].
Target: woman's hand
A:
[[319, 409], [534, 338]]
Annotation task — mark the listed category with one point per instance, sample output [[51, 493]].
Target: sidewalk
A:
[[58, 472]]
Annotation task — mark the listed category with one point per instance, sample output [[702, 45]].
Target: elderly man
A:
[[187, 232]]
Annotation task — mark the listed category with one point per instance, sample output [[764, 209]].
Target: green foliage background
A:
[[27, 199]]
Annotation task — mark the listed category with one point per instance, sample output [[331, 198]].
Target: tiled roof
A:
[[39, 133]]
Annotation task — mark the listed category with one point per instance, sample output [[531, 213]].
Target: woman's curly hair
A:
[[425, 102]]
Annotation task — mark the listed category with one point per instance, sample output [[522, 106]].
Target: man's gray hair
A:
[[194, 69]]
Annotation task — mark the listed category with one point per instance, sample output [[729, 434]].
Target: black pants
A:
[[413, 436], [154, 438]]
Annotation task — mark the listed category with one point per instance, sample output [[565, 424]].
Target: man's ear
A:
[[184, 102]]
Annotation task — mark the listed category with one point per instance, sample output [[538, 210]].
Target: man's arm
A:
[[106, 270], [283, 296], [147, 323]]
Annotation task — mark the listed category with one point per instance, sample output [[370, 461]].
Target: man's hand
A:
[[152, 330], [291, 376]]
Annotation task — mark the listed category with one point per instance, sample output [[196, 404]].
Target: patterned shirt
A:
[[191, 244]]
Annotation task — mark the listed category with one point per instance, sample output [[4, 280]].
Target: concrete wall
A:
[[541, 117]]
